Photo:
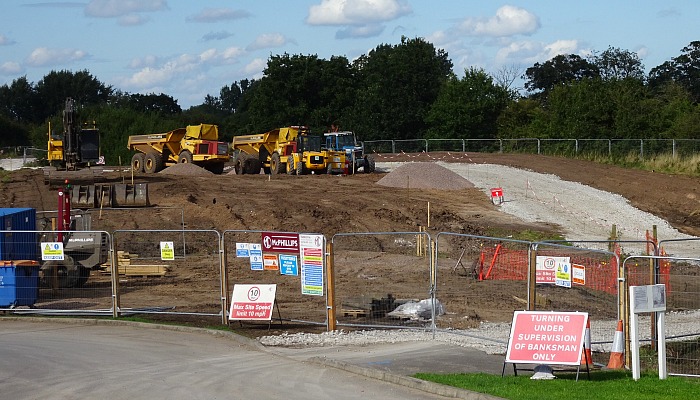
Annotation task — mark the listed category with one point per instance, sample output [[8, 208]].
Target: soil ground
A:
[[332, 204]]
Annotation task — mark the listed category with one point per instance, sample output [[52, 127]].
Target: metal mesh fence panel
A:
[[383, 279], [169, 271], [70, 280], [479, 272], [291, 304], [590, 285], [681, 276]]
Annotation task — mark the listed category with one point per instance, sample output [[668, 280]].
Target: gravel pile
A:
[[186, 170], [424, 175]]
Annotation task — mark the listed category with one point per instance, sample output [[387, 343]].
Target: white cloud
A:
[[148, 61], [220, 35], [363, 31], [218, 14], [44, 56], [10, 68], [356, 12], [255, 68], [119, 8], [132, 20], [642, 52], [268, 40], [561, 47], [5, 41], [508, 21]]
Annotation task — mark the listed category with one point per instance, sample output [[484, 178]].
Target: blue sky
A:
[[190, 48]]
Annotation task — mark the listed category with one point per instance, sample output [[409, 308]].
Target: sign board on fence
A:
[[276, 242], [563, 275], [256, 257], [51, 251], [167, 251], [270, 262], [312, 263], [578, 274], [289, 265], [546, 337], [546, 268], [242, 249], [648, 298], [252, 302]]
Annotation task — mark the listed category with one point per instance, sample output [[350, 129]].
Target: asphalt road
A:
[[81, 359]]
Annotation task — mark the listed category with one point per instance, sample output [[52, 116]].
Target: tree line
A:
[[396, 91]]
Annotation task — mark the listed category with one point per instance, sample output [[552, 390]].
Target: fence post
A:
[[393, 146], [531, 276], [330, 292]]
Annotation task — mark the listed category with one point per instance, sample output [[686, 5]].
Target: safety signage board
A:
[[242, 249], [270, 262], [289, 265], [51, 251], [546, 268], [252, 302], [280, 242], [312, 264], [546, 337], [578, 274], [563, 275], [256, 257], [167, 251]]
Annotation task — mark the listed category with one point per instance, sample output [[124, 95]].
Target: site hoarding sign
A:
[[252, 302], [289, 265], [270, 262], [546, 337], [242, 249], [256, 257], [167, 251], [546, 268], [52, 251], [280, 242], [312, 253]]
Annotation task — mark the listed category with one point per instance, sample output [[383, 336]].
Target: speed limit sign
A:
[[252, 302]]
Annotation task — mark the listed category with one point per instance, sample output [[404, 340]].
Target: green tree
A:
[[397, 86], [18, 100], [562, 69], [617, 64], [683, 70], [468, 108], [56, 86]]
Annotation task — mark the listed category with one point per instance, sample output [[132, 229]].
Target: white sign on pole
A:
[[648, 299]]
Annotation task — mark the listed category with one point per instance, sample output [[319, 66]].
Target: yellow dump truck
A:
[[291, 149], [196, 144]]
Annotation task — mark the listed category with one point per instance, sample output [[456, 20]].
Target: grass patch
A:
[[526, 235], [604, 385]]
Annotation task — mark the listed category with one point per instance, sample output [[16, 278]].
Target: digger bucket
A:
[[130, 195], [103, 195], [83, 196]]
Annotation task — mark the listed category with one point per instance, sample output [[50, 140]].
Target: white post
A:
[[634, 344], [661, 334]]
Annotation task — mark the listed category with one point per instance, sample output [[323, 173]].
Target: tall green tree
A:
[[397, 86], [617, 64], [56, 86], [468, 108], [540, 79], [18, 100], [683, 70]]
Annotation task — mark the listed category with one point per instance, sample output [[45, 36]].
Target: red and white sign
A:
[[252, 302], [546, 268], [546, 337], [277, 242]]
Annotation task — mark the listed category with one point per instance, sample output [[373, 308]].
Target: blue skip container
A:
[[19, 283]]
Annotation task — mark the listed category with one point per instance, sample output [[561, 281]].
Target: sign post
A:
[[648, 299]]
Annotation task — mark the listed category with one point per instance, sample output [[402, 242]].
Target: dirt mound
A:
[[186, 170], [424, 175]]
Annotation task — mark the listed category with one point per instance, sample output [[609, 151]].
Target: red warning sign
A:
[[546, 337]]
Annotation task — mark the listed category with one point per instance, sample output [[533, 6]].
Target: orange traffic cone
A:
[[617, 360], [586, 358]]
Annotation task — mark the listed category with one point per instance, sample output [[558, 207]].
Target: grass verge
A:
[[604, 385]]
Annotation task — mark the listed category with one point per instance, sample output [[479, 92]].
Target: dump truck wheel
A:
[[252, 166], [290, 166], [239, 164], [276, 164], [369, 164], [185, 157], [153, 163], [137, 162], [301, 168]]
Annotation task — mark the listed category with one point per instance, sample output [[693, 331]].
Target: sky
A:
[[189, 49]]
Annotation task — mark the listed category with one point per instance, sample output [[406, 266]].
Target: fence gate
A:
[[682, 279], [169, 272], [383, 279], [292, 304]]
